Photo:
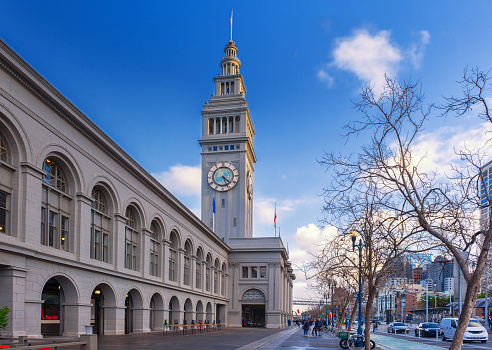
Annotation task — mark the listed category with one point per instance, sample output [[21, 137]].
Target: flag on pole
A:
[[275, 218], [213, 205]]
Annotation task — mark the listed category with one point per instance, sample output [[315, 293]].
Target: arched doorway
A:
[[51, 309], [174, 311], [133, 312], [188, 312], [199, 311], [60, 308], [253, 308], [209, 313], [156, 311], [103, 309], [97, 311], [128, 314]]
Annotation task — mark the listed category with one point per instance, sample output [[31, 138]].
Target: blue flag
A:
[[213, 205]]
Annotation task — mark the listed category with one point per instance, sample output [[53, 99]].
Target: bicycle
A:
[[355, 341]]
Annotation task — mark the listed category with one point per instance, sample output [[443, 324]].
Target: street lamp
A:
[[353, 236]]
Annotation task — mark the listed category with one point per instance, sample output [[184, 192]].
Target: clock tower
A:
[[228, 156]]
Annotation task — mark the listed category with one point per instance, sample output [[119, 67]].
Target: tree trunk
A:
[[368, 315], [352, 314], [466, 311]]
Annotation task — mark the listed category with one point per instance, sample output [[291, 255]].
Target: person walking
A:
[[305, 327], [318, 325], [375, 327]]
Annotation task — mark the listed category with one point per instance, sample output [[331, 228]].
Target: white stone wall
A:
[[36, 122]]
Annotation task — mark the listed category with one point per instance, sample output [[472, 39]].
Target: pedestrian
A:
[[318, 325], [305, 327], [375, 326], [311, 328]]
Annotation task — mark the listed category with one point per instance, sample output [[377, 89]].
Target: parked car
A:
[[474, 331], [428, 330], [398, 327]]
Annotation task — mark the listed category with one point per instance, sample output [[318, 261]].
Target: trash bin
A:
[[343, 335]]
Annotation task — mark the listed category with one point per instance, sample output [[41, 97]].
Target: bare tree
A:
[[443, 208], [384, 237]]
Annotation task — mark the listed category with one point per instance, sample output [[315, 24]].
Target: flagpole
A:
[[275, 219], [213, 216], [231, 23]]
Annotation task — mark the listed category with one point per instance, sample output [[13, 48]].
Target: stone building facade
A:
[[89, 238]]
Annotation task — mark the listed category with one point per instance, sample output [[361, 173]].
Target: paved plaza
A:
[[251, 339]]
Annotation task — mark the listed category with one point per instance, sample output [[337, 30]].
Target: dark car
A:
[[428, 330], [398, 327]]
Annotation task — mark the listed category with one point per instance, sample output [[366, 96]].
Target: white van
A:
[[474, 331]]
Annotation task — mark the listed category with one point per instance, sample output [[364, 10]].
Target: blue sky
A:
[[142, 70]]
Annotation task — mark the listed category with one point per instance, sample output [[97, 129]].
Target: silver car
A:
[[398, 327]]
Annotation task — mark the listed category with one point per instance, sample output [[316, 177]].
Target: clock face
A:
[[222, 176]]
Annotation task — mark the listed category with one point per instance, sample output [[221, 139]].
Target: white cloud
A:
[[440, 146], [417, 49], [181, 180], [325, 77], [368, 56]]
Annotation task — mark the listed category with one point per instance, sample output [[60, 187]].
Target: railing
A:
[[86, 342], [193, 328]]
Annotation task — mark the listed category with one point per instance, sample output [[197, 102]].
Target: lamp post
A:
[[326, 309], [353, 236]]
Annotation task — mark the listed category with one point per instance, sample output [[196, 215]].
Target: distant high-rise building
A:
[[417, 274]]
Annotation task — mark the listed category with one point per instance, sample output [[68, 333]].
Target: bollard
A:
[[90, 339]]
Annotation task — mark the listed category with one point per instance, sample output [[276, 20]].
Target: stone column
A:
[[165, 266], [80, 244], [118, 242], [180, 266], [13, 295], [145, 253]]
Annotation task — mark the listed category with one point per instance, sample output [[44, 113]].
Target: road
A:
[[382, 331]]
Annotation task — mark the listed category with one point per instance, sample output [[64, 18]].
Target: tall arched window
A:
[[198, 272], [55, 207], [187, 262], [131, 240], [3, 150], [208, 265], [222, 279], [173, 253], [100, 226], [155, 248], [216, 276]]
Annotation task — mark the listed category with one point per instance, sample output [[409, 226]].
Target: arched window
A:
[[253, 294], [55, 207], [222, 279], [187, 266], [3, 150], [155, 248], [173, 251], [100, 226], [131, 240], [208, 265], [216, 276], [198, 272], [4, 196]]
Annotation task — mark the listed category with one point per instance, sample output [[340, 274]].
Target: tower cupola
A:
[[230, 63]]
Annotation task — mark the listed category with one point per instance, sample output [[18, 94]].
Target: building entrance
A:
[[51, 312], [253, 316], [97, 313]]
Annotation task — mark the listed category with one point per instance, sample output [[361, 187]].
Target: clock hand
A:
[[225, 179]]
